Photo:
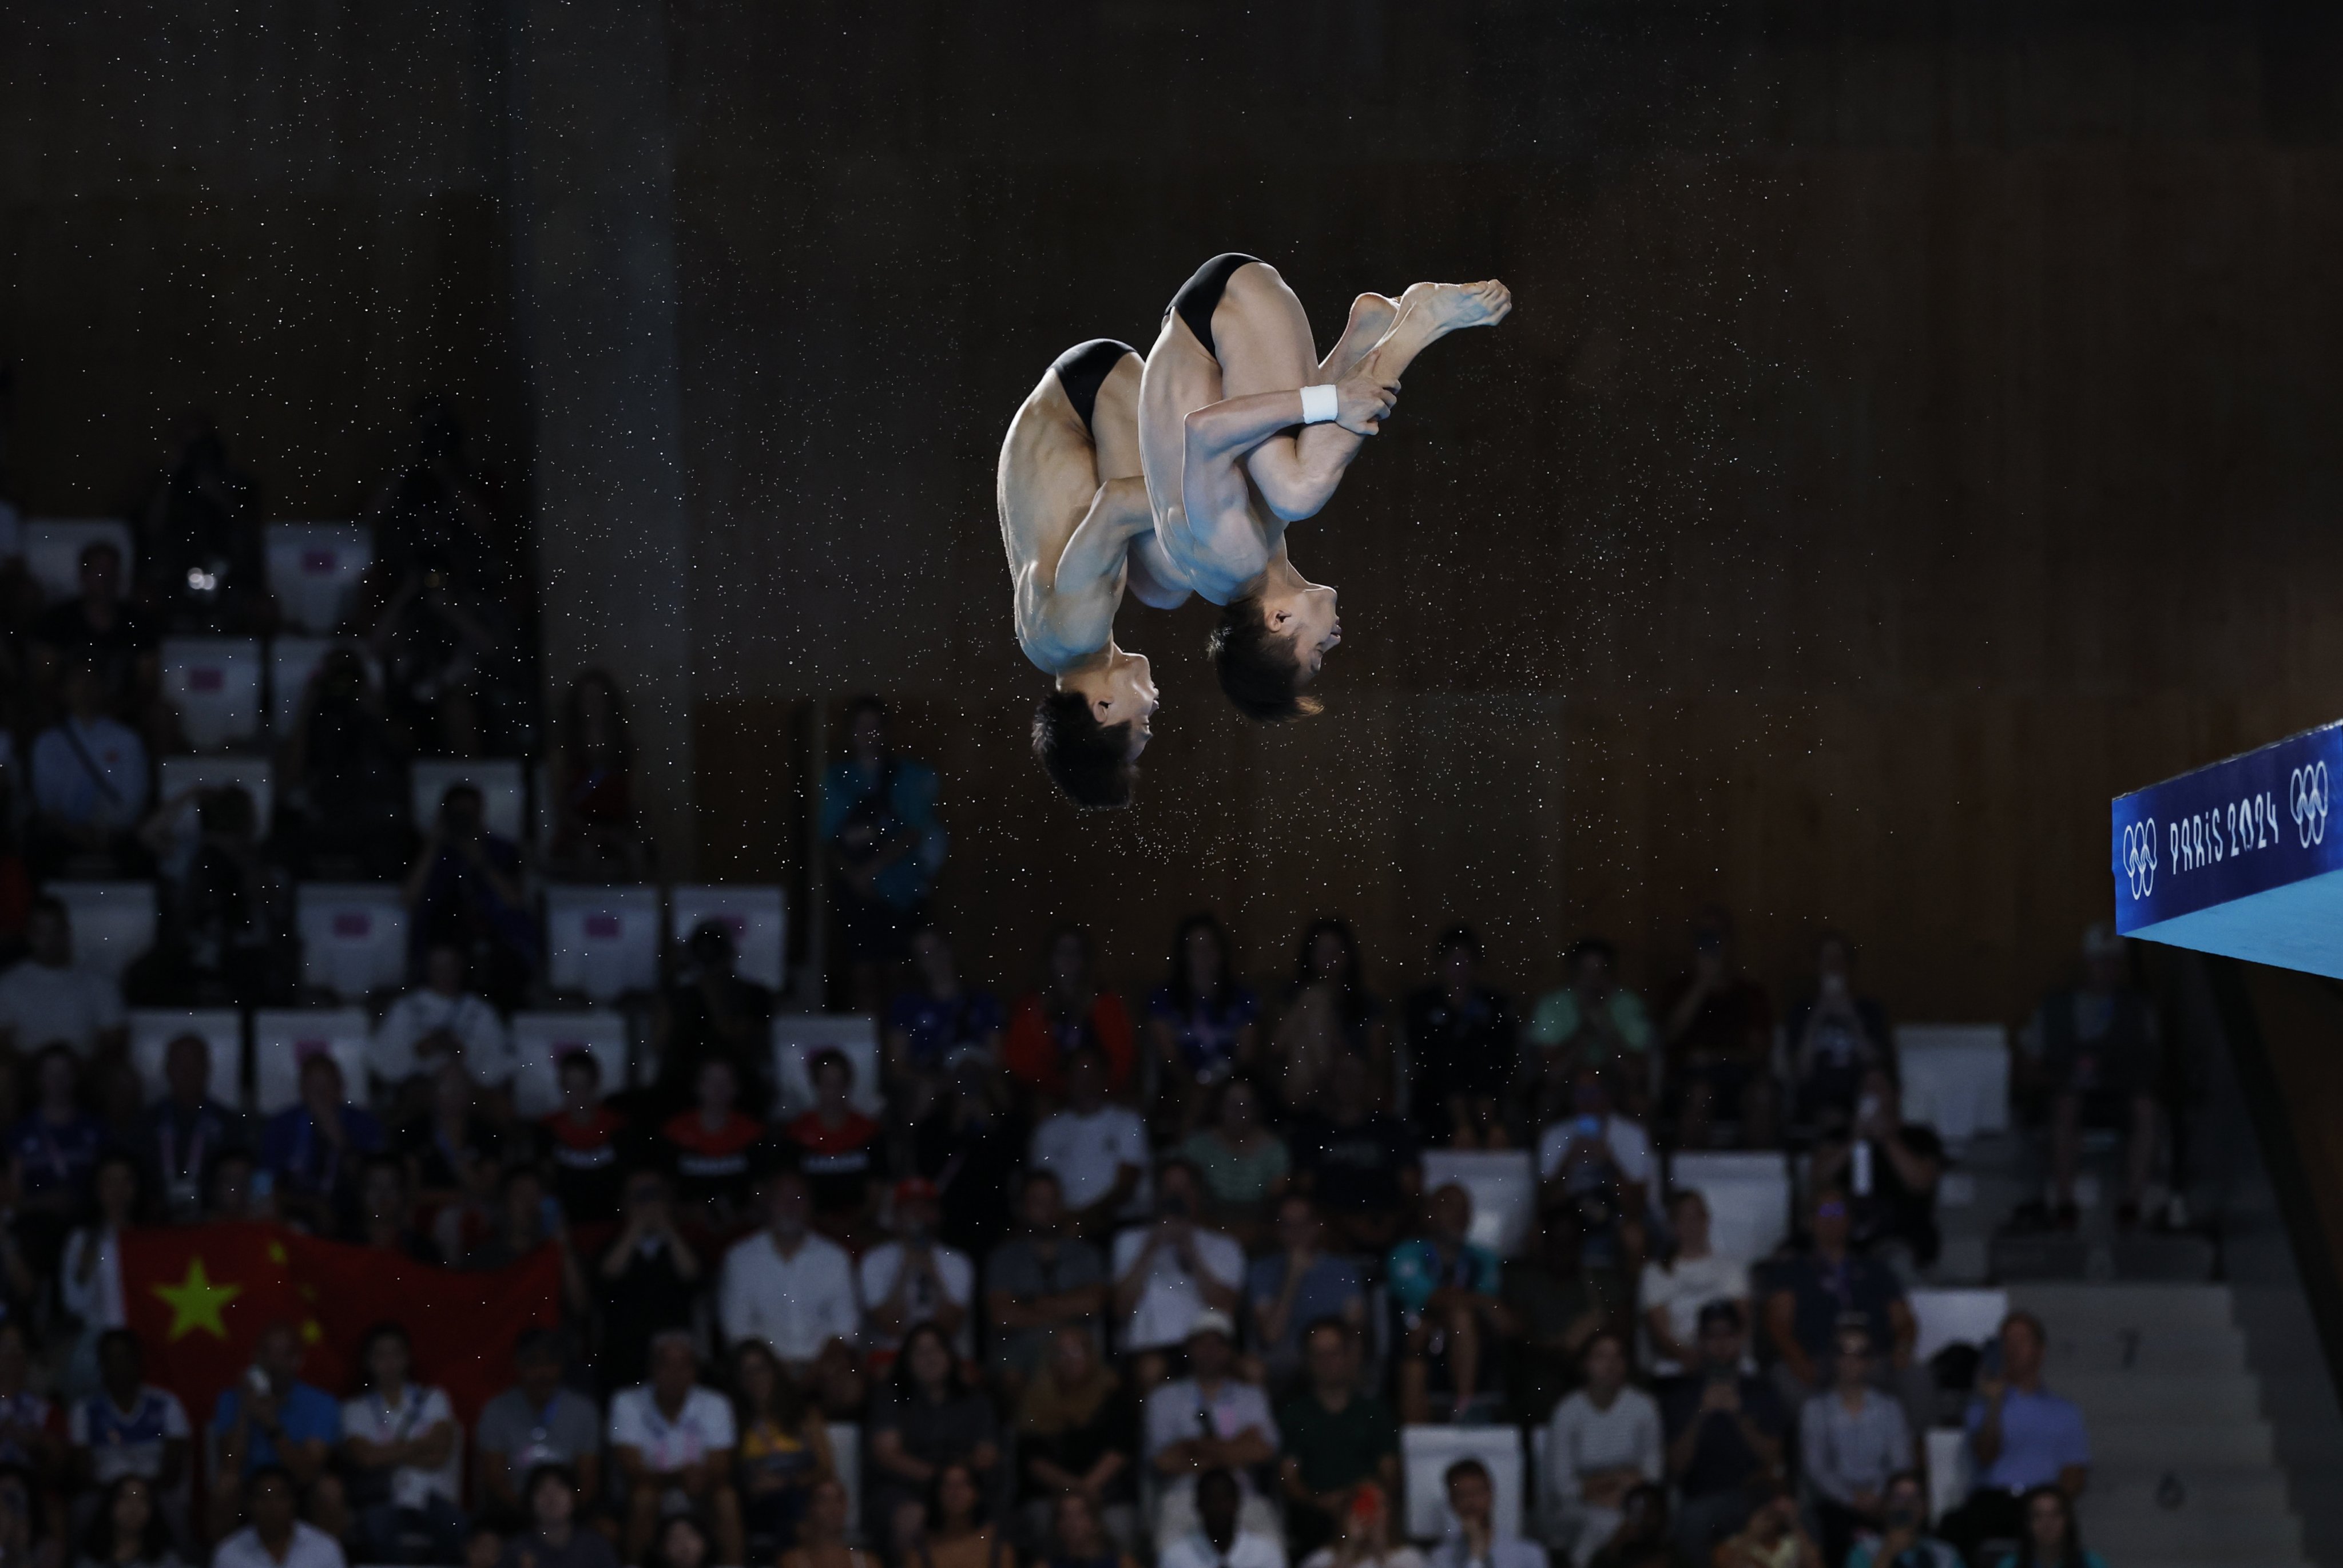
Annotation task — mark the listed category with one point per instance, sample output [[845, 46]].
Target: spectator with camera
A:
[[1171, 1269], [1725, 1429], [1597, 1164]]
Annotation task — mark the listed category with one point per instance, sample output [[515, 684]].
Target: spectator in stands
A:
[[929, 1023], [1592, 1021], [467, 888], [1836, 1038], [1206, 1422], [1040, 1283], [126, 1529], [915, 1279], [1079, 1537], [53, 1155], [1673, 1291], [49, 998], [1603, 1443], [1720, 1043], [1724, 1430], [886, 846], [1851, 1440], [1339, 1440], [1077, 1435], [1444, 1289], [1222, 1535], [1359, 1163], [794, 1290], [1296, 1286], [1558, 1304], [584, 1140], [2022, 1437], [1243, 1164], [453, 1151], [384, 1215], [89, 786], [711, 1013], [232, 1193], [527, 1221], [557, 1542], [1098, 1150], [1203, 1023], [439, 1021], [597, 836], [31, 1433], [784, 1450], [1169, 1271], [922, 1420], [399, 1440], [836, 1147], [314, 1149], [1463, 1043], [98, 629], [1597, 1164], [1903, 1540], [537, 1422], [973, 1146], [226, 938], [275, 1538], [1329, 1013], [290, 1429], [2053, 1536], [648, 1281], [1890, 1168], [344, 768], [1070, 1013], [1774, 1537], [682, 1542], [956, 1533], [1472, 1499], [2093, 1050], [672, 1440], [718, 1150], [821, 1539], [1364, 1536], [1814, 1292], [1646, 1537], [203, 564], [89, 1272], [128, 1427]]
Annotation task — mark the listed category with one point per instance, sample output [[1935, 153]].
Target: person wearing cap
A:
[[1365, 1539], [1209, 1420], [1341, 1442], [1851, 1441], [915, 1279], [2093, 1050], [1724, 1430], [1224, 1533], [1038, 1284], [1832, 1281], [1474, 1543], [1167, 1271]]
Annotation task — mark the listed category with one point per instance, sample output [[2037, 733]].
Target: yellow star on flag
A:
[[195, 1303]]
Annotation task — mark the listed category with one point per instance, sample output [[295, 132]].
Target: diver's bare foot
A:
[[1449, 308]]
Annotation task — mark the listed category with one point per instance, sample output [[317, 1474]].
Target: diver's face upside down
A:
[[1307, 619], [1125, 690]]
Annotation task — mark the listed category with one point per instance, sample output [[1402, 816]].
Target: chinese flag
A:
[[198, 1297]]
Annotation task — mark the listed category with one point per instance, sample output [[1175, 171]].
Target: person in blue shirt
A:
[[270, 1418], [1203, 1023], [2022, 1438], [315, 1150], [932, 1022], [1444, 1290], [53, 1155], [128, 1427], [886, 845]]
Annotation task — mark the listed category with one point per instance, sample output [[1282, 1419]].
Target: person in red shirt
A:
[[837, 1148], [582, 1141], [1071, 1010], [714, 1148]]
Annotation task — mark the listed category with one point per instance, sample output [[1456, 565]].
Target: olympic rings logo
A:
[[2306, 793], [2139, 857]]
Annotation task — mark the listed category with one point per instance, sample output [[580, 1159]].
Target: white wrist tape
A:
[[1320, 406]]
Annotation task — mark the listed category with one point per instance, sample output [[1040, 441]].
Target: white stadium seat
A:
[[213, 682], [113, 922], [1949, 1470], [53, 547], [1955, 1076], [255, 775], [601, 942], [541, 1040], [313, 567], [757, 915], [353, 937], [846, 1449], [1427, 1451], [499, 782], [152, 1030], [282, 1038], [798, 1036], [291, 661], [1504, 1184], [1748, 1198], [1949, 1317]]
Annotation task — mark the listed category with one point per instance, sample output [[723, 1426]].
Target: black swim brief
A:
[[1201, 294], [1083, 368]]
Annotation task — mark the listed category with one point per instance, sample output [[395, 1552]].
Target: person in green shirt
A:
[[1336, 1437], [1594, 1021]]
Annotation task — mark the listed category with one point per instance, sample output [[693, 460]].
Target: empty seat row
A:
[[215, 683], [313, 568]]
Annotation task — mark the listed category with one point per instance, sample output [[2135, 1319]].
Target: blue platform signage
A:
[[2239, 857]]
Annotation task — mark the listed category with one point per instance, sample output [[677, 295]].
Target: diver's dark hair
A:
[[1090, 761], [1258, 671]]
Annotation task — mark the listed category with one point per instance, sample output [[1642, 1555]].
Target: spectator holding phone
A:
[[1903, 1540], [1725, 1432], [1168, 1271]]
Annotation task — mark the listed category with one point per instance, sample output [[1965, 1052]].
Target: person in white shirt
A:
[[89, 1273], [401, 1448], [1209, 1421], [1472, 1498], [425, 1027], [275, 1538], [1097, 1150], [916, 1278], [795, 1291], [1603, 1443], [1364, 1540], [1171, 1269], [1673, 1292], [89, 776], [673, 1443], [1218, 1541], [49, 998], [1598, 1164]]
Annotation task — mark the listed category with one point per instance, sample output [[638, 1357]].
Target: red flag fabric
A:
[[199, 1297]]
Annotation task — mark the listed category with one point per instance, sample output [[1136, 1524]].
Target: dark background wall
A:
[[1915, 425]]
